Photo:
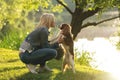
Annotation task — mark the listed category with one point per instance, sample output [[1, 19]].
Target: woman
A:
[[36, 49]]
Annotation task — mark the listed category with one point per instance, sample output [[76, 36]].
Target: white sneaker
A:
[[32, 68], [48, 69], [45, 68]]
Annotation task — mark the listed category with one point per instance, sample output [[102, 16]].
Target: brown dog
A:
[[68, 44]]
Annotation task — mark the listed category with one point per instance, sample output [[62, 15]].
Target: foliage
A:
[[83, 58], [83, 9], [54, 32], [16, 9], [12, 40], [13, 37], [16, 12], [21, 14], [118, 43], [11, 68], [92, 4]]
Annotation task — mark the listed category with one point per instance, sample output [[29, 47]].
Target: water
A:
[[106, 55]]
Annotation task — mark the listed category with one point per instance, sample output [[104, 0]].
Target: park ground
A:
[[11, 68]]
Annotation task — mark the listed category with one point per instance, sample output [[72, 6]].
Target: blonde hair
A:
[[47, 19]]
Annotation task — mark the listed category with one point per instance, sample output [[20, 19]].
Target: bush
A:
[[1, 35], [118, 45], [83, 58], [12, 40]]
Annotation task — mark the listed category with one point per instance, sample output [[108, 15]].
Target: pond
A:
[[106, 55]]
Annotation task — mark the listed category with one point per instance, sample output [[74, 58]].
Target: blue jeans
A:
[[39, 56]]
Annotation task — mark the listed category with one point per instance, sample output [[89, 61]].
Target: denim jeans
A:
[[39, 56]]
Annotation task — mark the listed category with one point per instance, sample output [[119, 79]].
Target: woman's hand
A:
[[60, 38]]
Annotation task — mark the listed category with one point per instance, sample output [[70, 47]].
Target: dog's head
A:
[[65, 28]]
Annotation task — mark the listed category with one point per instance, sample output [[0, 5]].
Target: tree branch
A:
[[66, 7], [96, 23], [76, 2], [91, 12]]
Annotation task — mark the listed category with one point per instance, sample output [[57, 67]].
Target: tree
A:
[[85, 9], [15, 12], [19, 13]]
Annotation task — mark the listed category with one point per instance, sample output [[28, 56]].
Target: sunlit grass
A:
[[11, 68]]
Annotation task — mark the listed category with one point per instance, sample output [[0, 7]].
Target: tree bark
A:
[[79, 15], [76, 22]]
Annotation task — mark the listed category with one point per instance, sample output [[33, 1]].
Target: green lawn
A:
[[11, 68]]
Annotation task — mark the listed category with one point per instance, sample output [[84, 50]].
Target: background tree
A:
[[16, 12], [87, 8], [18, 18], [20, 13]]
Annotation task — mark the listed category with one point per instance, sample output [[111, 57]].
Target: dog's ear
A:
[[62, 26], [65, 27]]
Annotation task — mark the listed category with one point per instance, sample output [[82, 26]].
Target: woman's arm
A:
[[44, 38]]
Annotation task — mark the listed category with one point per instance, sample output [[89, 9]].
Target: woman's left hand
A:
[[60, 38]]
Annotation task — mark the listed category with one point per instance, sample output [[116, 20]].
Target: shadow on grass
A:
[[87, 74], [69, 75], [58, 75], [8, 69], [79, 75], [13, 60], [40, 76]]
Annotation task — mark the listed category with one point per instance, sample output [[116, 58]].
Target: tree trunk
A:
[[76, 22], [78, 16], [119, 13]]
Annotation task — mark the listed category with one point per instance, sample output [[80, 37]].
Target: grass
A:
[[11, 68]]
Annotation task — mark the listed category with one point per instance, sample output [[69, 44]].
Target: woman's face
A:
[[53, 23]]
